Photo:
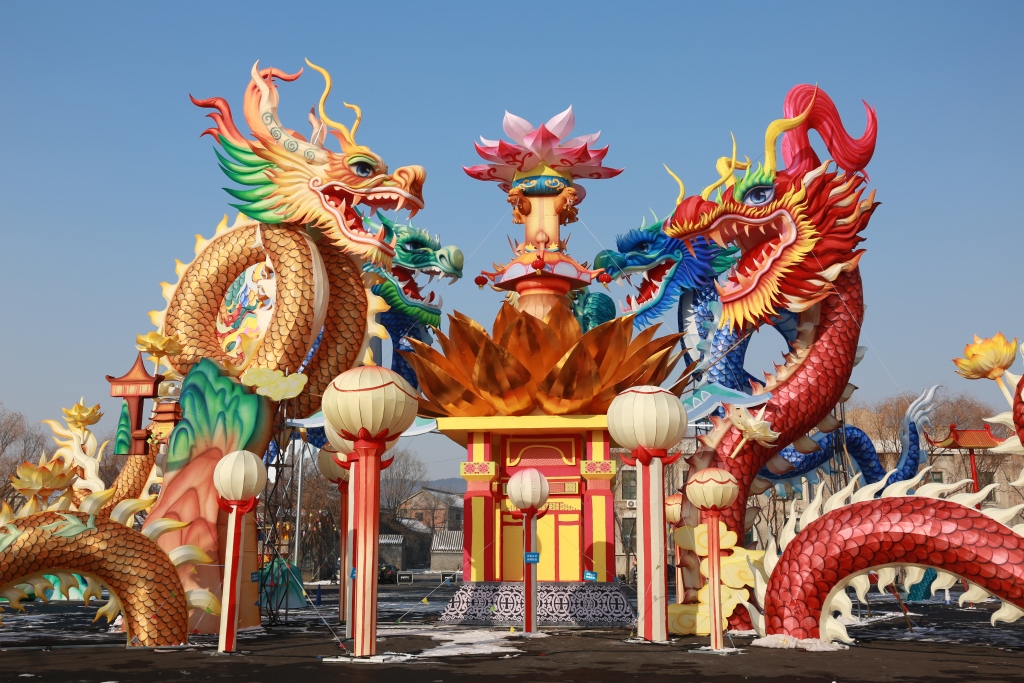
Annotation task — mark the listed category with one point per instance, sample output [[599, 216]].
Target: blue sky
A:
[[105, 180]]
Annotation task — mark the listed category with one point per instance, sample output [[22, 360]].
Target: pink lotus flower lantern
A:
[[542, 160]]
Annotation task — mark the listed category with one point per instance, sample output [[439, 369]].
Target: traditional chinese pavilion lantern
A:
[[648, 421], [239, 477], [713, 490], [334, 466], [528, 490], [369, 406]]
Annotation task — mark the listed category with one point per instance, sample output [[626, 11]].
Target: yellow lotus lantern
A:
[[533, 366], [988, 358], [38, 482], [158, 346], [80, 416]]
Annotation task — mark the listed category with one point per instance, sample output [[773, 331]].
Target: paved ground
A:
[[947, 644]]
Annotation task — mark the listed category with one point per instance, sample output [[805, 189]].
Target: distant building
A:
[[435, 509], [391, 550], [446, 551]]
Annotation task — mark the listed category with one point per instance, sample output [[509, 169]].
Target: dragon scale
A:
[[133, 568]]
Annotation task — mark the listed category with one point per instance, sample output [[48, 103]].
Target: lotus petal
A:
[[503, 381]]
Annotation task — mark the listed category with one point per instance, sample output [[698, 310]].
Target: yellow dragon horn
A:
[[348, 135], [682, 188], [726, 167], [777, 128]]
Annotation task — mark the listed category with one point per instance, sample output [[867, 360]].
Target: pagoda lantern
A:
[[135, 386]]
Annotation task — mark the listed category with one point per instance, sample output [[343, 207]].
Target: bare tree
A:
[[400, 480], [19, 441]]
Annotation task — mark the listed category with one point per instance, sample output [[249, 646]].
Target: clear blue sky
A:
[[104, 180]]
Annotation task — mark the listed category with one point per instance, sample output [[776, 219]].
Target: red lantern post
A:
[[238, 477]]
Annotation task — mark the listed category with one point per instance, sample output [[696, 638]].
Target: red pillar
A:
[[529, 573], [343, 570], [366, 519], [712, 518], [478, 546], [598, 470]]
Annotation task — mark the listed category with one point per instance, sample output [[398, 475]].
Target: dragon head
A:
[[797, 229], [416, 254], [294, 180], [665, 265]]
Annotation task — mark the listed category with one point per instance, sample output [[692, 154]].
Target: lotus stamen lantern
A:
[[528, 490], [239, 477], [334, 466], [370, 407], [713, 490], [648, 421]]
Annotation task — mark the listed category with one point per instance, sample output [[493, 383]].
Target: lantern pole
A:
[[528, 491], [366, 518], [350, 548], [712, 518], [652, 578], [649, 420], [712, 490], [529, 572], [301, 455], [342, 548], [238, 477], [368, 408]]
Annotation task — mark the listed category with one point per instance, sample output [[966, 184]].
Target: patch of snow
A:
[[459, 641], [783, 642], [875, 618]]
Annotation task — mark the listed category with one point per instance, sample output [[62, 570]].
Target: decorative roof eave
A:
[[976, 439]]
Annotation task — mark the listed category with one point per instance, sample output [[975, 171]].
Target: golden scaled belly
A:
[[314, 287]]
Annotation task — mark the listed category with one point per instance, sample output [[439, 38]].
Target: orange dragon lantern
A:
[[287, 286]]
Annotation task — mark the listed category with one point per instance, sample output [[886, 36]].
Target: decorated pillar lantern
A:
[[648, 421], [334, 466], [528, 490], [239, 477], [713, 490], [369, 406], [674, 517]]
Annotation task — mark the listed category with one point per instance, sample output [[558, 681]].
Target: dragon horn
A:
[[682, 188], [725, 167], [276, 133], [347, 136], [780, 126]]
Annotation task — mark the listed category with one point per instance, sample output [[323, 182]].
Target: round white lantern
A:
[[674, 508], [329, 467], [646, 417], [528, 489], [240, 475], [712, 489], [372, 398]]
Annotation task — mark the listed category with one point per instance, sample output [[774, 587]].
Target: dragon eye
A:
[[362, 169], [643, 247], [759, 195]]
